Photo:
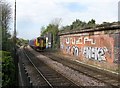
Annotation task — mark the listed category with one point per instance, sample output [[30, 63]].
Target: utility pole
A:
[[119, 11], [1, 40], [15, 49], [15, 24], [1, 24], [14, 35]]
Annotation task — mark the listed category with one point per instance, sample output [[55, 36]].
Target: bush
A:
[[8, 69]]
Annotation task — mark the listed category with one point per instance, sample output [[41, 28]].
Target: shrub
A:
[[8, 69]]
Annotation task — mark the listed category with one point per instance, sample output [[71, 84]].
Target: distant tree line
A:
[[78, 24]]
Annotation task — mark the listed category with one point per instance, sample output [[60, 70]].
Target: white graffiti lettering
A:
[[62, 46], [67, 40], [75, 51], [95, 53], [68, 49], [79, 40], [73, 40], [87, 39]]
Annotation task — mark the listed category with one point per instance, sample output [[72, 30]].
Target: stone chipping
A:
[[78, 78]]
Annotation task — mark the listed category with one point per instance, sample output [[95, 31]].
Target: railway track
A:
[[49, 77], [110, 81]]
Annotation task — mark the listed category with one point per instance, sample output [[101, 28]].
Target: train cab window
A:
[[38, 39]]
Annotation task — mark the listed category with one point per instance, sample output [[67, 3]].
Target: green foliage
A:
[[0, 69], [42, 30], [0, 38], [54, 30], [91, 23], [8, 69], [5, 14], [77, 25], [7, 46]]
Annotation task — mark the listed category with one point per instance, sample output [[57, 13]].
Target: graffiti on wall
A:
[[68, 49], [85, 46], [75, 50], [61, 46], [95, 53], [79, 40]]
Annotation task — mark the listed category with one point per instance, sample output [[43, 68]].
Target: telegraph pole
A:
[[15, 24], [14, 35], [119, 11], [15, 49]]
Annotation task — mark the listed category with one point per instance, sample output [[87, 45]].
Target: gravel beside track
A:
[[75, 76], [35, 78], [94, 73], [53, 79]]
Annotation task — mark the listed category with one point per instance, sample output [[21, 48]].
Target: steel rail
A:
[[38, 70], [64, 76], [83, 71]]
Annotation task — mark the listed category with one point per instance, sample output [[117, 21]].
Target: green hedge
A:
[[8, 69]]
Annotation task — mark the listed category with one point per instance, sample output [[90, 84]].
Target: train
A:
[[41, 43], [38, 43]]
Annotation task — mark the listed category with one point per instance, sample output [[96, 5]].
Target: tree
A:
[[5, 14], [77, 24], [91, 23], [8, 67], [42, 29], [56, 21], [53, 28]]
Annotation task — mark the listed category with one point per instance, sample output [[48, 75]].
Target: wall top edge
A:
[[106, 28]]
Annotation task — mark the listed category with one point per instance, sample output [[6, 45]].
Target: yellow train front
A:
[[38, 44]]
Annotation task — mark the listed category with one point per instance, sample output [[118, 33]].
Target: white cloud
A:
[[41, 12]]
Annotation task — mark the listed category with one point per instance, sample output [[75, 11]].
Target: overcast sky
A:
[[33, 14]]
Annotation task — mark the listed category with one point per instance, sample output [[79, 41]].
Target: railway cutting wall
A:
[[98, 46]]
